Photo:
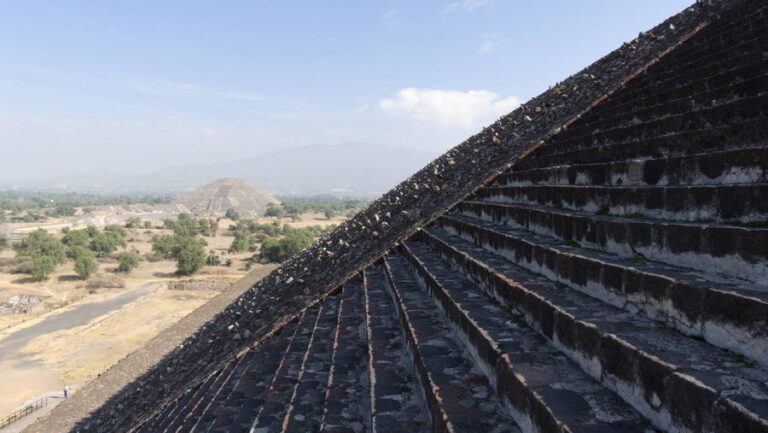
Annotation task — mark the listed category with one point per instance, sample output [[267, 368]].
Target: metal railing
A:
[[24, 411]]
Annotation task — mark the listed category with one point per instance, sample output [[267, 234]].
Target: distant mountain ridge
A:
[[341, 170]]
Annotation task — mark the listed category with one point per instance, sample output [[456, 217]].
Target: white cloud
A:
[[466, 5], [470, 109], [491, 41]]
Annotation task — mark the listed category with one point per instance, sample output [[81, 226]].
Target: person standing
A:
[[66, 391]]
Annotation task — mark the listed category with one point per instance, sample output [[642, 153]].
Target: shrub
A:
[[127, 261], [85, 264]]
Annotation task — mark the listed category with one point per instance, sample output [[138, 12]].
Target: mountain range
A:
[[350, 170]]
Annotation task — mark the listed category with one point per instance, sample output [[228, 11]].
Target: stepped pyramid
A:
[[223, 194], [595, 261]]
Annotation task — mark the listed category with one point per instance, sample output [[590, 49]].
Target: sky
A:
[[128, 87]]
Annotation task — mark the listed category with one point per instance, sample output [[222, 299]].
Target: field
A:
[[77, 332]]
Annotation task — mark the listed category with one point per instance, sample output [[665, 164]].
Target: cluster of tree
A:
[[187, 225], [278, 249], [188, 251], [136, 222], [325, 204], [18, 201], [278, 241], [81, 246]]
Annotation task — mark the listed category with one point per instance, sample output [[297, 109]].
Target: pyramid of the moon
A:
[[596, 261], [223, 194]]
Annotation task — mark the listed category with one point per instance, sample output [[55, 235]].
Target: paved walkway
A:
[[54, 398], [24, 378]]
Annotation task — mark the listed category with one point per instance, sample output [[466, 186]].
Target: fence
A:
[[24, 411]]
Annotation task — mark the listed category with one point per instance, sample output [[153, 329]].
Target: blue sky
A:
[[131, 86]]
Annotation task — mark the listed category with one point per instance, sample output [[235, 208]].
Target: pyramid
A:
[[595, 261], [223, 194]]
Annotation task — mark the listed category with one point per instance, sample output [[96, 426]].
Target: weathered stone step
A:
[[306, 407], [724, 312], [192, 414], [347, 398], [732, 166], [722, 84], [248, 394], [272, 411], [680, 383], [712, 248], [712, 65], [658, 120], [739, 203], [458, 394], [714, 117], [397, 404], [546, 391], [214, 400], [174, 421], [737, 133]]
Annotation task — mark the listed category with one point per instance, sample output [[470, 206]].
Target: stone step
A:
[[745, 203], [193, 414], [720, 87], [347, 398], [737, 133], [711, 248], [397, 404], [657, 121], [732, 166], [175, 419], [272, 410], [720, 83], [726, 313], [306, 406], [680, 383], [215, 401], [248, 393], [458, 394], [546, 391]]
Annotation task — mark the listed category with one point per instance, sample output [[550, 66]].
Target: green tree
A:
[[277, 250], [165, 246], [42, 267], [4, 243], [40, 243], [240, 243], [127, 261], [63, 210], [232, 214], [213, 259], [75, 239], [147, 224], [274, 210], [85, 264], [191, 256], [133, 223], [117, 230], [106, 243]]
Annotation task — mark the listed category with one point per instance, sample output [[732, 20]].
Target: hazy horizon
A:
[[126, 89]]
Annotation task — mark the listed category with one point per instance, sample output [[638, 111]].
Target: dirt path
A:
[[24, 378]]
